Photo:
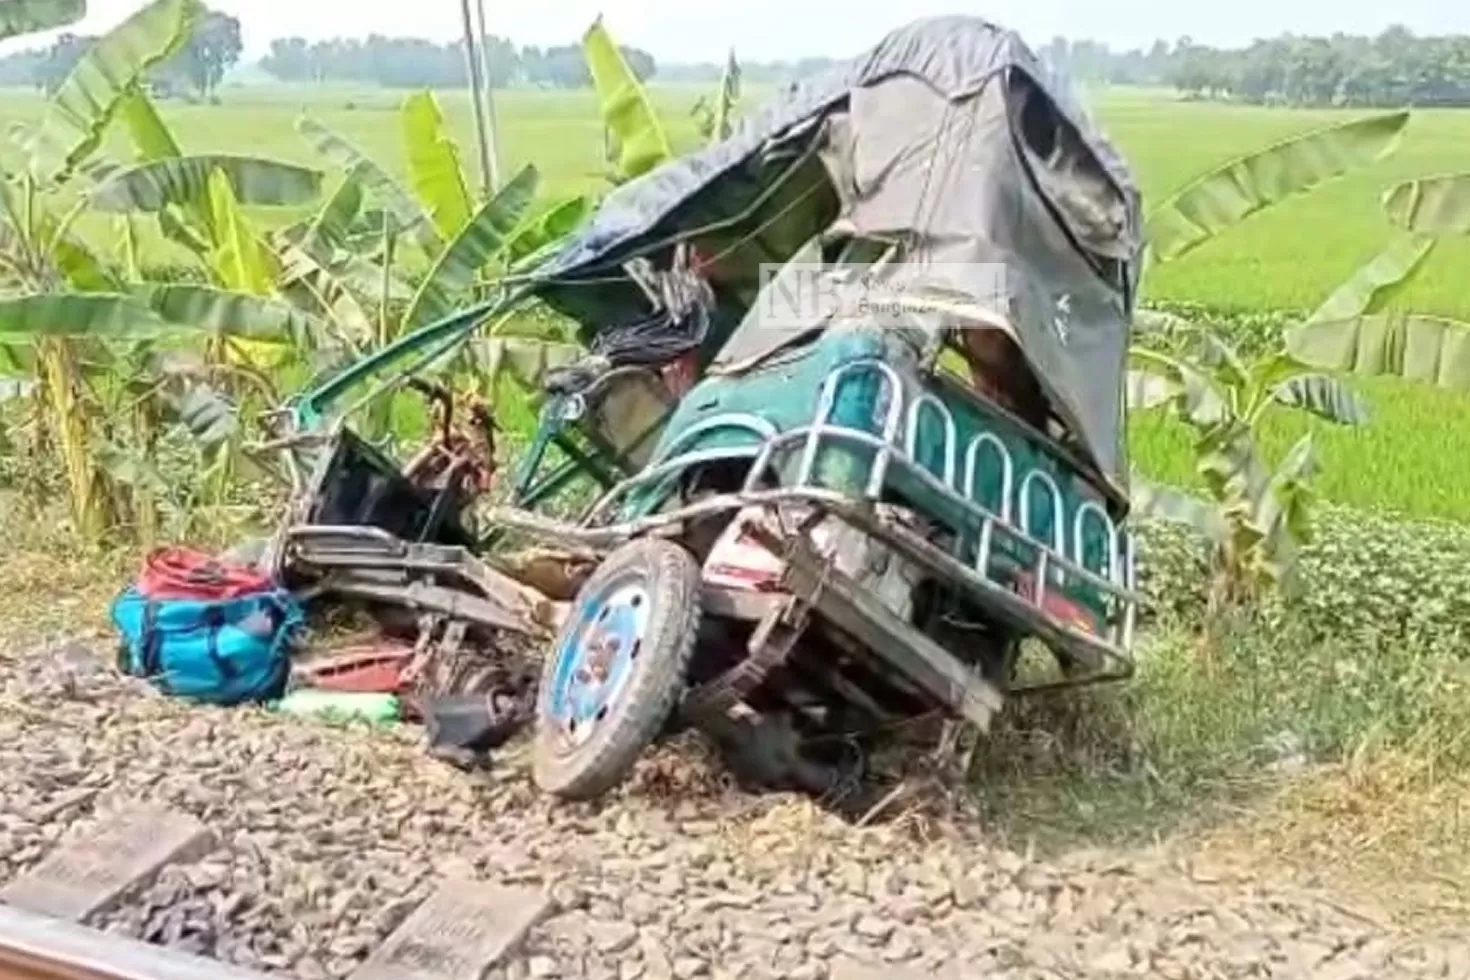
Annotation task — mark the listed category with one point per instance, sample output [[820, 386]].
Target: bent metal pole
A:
[[472, 66]]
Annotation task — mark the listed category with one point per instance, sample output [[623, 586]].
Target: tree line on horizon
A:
[[1395, 68], [198, 68]]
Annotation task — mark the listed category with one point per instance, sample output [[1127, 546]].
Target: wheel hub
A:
[[594, 664]]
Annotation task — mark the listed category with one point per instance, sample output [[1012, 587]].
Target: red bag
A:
[[181, 573]]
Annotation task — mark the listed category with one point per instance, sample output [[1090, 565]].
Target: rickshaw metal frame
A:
[[996, 566], [1109, 656]]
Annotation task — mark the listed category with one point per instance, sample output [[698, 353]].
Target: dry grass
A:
[[52, 587], [1390, 826]]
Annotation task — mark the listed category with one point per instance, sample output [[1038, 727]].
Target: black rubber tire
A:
[[672, 579]]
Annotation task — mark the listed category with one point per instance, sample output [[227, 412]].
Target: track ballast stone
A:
[[330, 836]]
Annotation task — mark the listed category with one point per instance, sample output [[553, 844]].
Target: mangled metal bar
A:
[[369, 563], [928, 665], [772, 642]]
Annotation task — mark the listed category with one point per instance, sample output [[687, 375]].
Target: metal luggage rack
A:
[[895, 447]]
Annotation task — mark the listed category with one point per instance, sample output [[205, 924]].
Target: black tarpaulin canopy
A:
[[949, 136]]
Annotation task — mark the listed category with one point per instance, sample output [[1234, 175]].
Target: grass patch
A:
[[1316, 712], [1294, 254], [1400, 461], [1282, 258]]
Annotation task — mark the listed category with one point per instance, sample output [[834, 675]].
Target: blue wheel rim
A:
[[595, 660]]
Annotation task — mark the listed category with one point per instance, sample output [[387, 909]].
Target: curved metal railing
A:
[[895, 443]]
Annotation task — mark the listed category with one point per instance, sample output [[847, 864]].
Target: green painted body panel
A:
[[785, 395]]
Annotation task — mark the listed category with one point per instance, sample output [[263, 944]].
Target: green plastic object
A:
[[379, 709]]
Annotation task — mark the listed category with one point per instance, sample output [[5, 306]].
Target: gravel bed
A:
[[330, 835]]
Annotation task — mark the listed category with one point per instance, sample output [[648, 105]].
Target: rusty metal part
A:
[[890, 639], [371, 564], [1104, 661], [462, 458], [770, 645], [38, 947], [749, 607]]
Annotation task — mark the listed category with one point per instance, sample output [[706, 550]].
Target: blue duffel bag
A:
[[211, 634]]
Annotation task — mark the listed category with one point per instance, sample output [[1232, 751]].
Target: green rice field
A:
[[1410, 459]]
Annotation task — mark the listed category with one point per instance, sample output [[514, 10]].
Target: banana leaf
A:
[[729, 96], [1431, 205], [239, 260], [1281, 513], [1230, 193], [356, 272], [130, 467], [89, 315], [233, 314], [528, 360], [184, 181], [1325, 397], [1229, 462], [434, 167], [1154, 500], [309, 283], [83, 270], [208, 415], [151, 136], [332, 224], [373, 178], [1192, 390], [1146, 390], [624, 106], [457, 267], [1375, 284], [1430, 349], [19, 17], [84, 105], [178, 230], [543, 231]]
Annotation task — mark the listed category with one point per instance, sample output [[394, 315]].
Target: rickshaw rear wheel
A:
[[617, 668]]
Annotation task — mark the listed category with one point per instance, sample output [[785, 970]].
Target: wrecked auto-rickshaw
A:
[[851, 414]]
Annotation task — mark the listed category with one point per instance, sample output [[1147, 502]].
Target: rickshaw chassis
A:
[[823, 638]]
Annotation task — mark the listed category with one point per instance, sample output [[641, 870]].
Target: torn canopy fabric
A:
[[950, 138]]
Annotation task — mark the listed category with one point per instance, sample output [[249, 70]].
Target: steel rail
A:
[[39, 947]]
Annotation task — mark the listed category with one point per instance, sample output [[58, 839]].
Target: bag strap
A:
[[152, 640], [214, 621]]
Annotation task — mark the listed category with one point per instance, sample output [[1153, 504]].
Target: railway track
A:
[[461, 931], [464, 930], [42, 947]]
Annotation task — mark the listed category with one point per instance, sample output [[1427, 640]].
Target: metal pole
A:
[[472, 65], [494, 126]]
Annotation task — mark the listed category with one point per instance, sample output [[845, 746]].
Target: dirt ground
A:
[[330, 835]]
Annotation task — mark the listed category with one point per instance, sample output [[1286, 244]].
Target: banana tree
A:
[[504, 234], [90, 327], [716, 120], [1256, 514], [334, 259], [57, 293]]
